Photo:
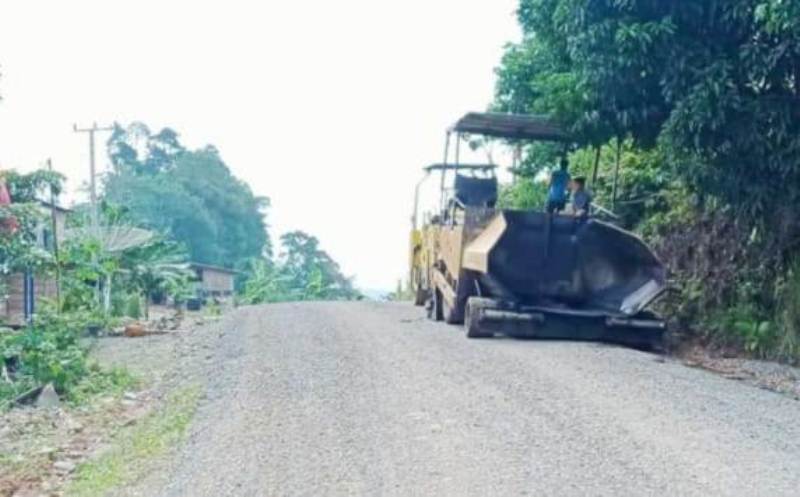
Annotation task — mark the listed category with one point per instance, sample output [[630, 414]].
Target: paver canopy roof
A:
[[510, 126]]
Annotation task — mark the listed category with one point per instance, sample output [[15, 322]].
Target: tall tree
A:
[[311, 271], [190, 195], [303, 271]]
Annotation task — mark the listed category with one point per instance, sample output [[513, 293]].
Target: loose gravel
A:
[[368, 399]]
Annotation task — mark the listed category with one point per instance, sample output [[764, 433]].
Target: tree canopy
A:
[[715, 83], [303, 271], [18, 221], [190, 195]]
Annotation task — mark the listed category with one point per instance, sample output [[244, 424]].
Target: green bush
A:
[[768, 330], [524, 194], [119, 304], [133, 307], [213, 309], [99, 381], [49, 351], [789, 315], [745, 326]]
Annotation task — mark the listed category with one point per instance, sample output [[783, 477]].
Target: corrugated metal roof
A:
[[510, 126], [219, 269]]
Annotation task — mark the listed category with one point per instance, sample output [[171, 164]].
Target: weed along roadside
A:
[[133, 405], [133, 448]]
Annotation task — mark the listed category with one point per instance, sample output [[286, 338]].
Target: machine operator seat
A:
[[471, 191]]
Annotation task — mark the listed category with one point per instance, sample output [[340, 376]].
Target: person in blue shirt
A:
[[557, 194]]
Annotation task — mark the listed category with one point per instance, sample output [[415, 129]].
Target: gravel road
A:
[[368, 399]]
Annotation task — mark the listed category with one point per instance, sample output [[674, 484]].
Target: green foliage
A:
[[744, 323], [155, 269], [303, 272], [715, 83], [18, 248], [646, 186], [50, 351], [789, 314], [779, 17], [523, 194], [265, 283], [83, 266], [213, 309], [678, 210], [735, 286], [130, 453], [144, 153], [188, 195], [312, 273], [29, 188], [46, 352], [114, 382], [133, 306], [149, 268], [119, 302]]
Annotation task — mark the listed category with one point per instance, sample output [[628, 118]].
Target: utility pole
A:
[[92, 172]]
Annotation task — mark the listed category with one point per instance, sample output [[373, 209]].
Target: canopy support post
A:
[[444, 172], [596, 166], [616, 175]]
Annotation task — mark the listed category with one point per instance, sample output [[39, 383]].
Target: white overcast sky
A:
[[330, 108]]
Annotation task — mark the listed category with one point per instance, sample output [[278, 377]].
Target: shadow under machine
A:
[[528, 273]]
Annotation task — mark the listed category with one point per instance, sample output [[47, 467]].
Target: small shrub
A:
[[49, 351], [133, 307], [98, 381], [744, 326], [789, 315], [213, 308], [119, 304]]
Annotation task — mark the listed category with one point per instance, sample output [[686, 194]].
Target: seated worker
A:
[[581, 198], [557, 194]]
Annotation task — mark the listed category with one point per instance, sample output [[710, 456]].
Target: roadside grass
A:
[[131, 447], [15, 464], [112, 382], [27, 446], [96, 383]]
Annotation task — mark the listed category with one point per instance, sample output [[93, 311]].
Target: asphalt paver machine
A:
[[528, 274]]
